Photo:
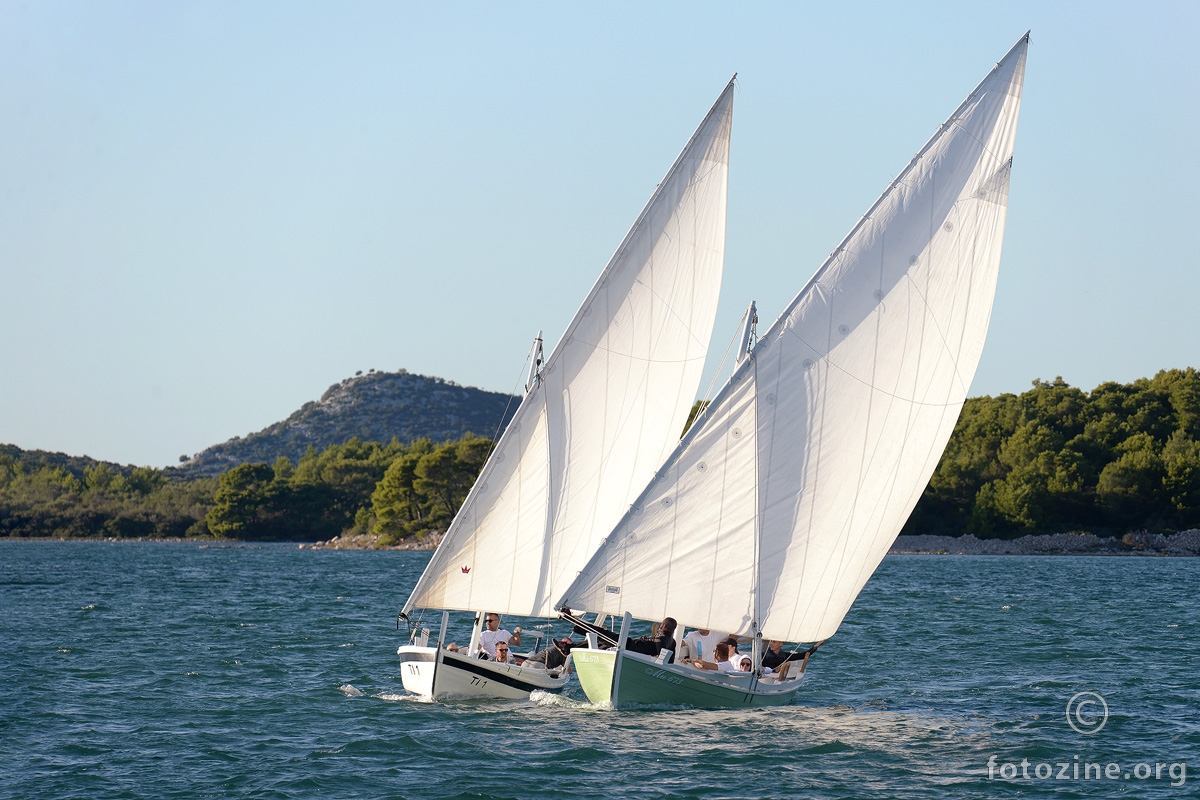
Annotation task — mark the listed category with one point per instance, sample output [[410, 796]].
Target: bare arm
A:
[[698, 664]]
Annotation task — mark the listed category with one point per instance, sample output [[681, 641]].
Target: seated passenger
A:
[[503, 656], [553, 657], [653, 645], [702, 643], [732, 641], [775, 657], [722, 663], [492, 634]]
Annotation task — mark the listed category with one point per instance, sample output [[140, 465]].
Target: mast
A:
[[749, 329], [535, 365]]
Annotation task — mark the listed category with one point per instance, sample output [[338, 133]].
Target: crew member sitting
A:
[[775, 657], [503, 656], [654, 644], [553, 657], [722, 663], [492, 634]]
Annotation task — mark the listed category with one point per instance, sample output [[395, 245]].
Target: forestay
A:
[[608, 406], [783, 499]]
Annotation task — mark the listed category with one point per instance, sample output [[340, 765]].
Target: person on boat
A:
[[732, 641], [502, 654], [775, 657], [553, 657], [655, 643], [493, 634], [702, 643], [746, 664], [722, 663]]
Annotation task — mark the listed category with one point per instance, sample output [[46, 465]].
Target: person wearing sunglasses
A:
[[503, 655], [492, 635]]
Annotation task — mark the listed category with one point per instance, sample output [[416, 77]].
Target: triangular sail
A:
[[783, 499], [608, 406]]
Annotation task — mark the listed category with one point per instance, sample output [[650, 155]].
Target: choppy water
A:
[[170, 671]]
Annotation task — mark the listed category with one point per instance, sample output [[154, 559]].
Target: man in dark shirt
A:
[[553, 656], [774, 658], [648, 645], [653, 645]]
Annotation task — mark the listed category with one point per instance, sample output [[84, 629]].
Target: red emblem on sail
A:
[[466, 570]]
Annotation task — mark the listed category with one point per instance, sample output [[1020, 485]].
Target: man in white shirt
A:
[[492, 633], [702, 644]]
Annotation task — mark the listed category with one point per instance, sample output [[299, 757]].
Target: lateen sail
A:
[[608, 407], [783, 499]]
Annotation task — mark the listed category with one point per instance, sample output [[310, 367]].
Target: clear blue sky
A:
[[210, 212]]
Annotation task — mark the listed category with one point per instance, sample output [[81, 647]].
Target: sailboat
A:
[[598, 417], [784, 496]]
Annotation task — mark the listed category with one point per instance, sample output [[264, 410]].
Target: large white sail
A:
[[608, 406], [783, 499]]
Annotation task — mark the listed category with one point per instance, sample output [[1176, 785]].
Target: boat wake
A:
[[551, 700], [402, 698]]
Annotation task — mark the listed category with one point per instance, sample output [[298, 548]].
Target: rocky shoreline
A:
[[1142, 543], [368, 542]]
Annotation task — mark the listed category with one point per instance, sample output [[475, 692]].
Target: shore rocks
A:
[[369, 542], [1185, 543]]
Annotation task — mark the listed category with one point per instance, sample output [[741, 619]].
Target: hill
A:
[[33, 460], [377, 406]]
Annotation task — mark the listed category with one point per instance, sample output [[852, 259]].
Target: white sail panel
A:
[[614, 396], [687, 546], [517, 502], [858, 386]]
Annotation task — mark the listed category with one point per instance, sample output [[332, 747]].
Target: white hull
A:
[[441, 674]]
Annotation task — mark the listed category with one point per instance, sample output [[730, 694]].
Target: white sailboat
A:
[[783, 498], [596, 421]]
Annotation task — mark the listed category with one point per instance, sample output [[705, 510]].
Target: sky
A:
[[211, 212]]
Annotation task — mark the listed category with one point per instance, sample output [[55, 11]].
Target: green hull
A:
[[639, 681]]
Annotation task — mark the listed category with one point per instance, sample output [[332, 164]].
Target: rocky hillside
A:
[[376, 406]]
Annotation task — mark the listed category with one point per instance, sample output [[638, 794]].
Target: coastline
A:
[[1182, 544], [365, 541]]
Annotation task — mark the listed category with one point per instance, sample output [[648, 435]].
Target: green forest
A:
[[1054, 458]]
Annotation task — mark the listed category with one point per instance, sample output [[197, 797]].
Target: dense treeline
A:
[[98, 500], [394, 490], [1056, 458]]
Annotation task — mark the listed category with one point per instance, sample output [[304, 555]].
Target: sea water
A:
[[132, 670]]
